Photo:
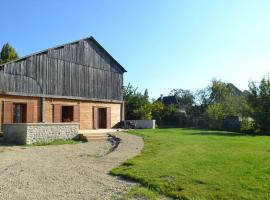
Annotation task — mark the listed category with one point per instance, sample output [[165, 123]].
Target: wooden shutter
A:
[[57, 109], [95, 117], [8, 113], [76, 113], [108, 120], [30, 112]]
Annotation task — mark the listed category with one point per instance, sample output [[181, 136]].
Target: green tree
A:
[[259, 101], [158, 111], [186, 98], [137, 105], [8, 53], [224, 101]]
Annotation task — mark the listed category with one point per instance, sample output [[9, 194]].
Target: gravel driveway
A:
[[78, 171]]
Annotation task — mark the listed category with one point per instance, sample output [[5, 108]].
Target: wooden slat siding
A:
[[57, 113], [95, 117], [76, 70], [30, 112], [76, 113], [8, 112], [108, 120]]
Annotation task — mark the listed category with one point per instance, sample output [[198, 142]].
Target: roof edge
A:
[[57, 46]]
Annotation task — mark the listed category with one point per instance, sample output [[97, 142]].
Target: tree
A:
[[224, 101], [137, 105], [186, 98], [8, 53], [259, 101], [158, 111]]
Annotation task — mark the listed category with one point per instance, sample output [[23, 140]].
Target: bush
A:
[[247, 126]]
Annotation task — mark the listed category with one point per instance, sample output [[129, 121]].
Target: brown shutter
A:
[[76, 113], [95, 117], [8, 113], [57, 109], [30, 112], [108, 120]]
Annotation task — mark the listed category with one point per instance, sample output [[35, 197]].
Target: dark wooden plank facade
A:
[[80, 69]]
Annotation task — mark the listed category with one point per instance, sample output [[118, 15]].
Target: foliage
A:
[[210, 107], [137, 105], [259, 101], [199, 164], [246, 125], [8, 53], [186, 98], [158, 111], [144, 112], [223, 103]]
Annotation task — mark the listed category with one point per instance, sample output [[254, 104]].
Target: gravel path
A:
[[78, 171]]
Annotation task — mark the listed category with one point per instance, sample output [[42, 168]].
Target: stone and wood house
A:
[[75, 82]]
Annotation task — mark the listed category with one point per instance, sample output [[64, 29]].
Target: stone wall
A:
[[30, 133]]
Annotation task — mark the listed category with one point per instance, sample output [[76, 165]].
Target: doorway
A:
[[102, 118], [19, 113]]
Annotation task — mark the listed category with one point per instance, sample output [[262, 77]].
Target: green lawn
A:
[[198, 164]]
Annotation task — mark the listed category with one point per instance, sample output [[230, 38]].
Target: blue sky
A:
[[162, 44]]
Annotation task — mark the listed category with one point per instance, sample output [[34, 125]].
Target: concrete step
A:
[[90, 137]]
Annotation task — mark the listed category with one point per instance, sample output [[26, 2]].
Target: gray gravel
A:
[[78, 171]]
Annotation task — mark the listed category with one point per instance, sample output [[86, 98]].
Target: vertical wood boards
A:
[[79, 69]]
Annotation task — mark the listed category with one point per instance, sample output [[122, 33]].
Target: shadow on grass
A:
[[208, 132], [217, 133], [223, 133]]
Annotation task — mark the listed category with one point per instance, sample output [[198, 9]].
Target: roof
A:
[[168, 100], [58, 46], [236, 91]]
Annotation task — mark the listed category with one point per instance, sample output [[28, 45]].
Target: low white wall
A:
[[148, 124], [29, 133]]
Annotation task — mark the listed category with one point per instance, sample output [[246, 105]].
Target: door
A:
[[102, 118]]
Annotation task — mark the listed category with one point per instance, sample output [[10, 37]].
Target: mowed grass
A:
[[198, 164]]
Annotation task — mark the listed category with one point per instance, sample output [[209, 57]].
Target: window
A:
[[67, 113], [19, 113]]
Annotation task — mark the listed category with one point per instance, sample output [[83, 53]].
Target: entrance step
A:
[[88, 137]]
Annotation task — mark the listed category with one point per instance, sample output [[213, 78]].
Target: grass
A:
[[55, 142], [198, 164], [138, 193]]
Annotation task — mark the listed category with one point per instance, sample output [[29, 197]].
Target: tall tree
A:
[[259, 100], [225, 100], [8, 53], [137, 105]]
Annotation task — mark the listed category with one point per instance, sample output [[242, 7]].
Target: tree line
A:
[[212, 107]]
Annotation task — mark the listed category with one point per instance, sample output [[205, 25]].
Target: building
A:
[[75, 82], [172, 100]]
